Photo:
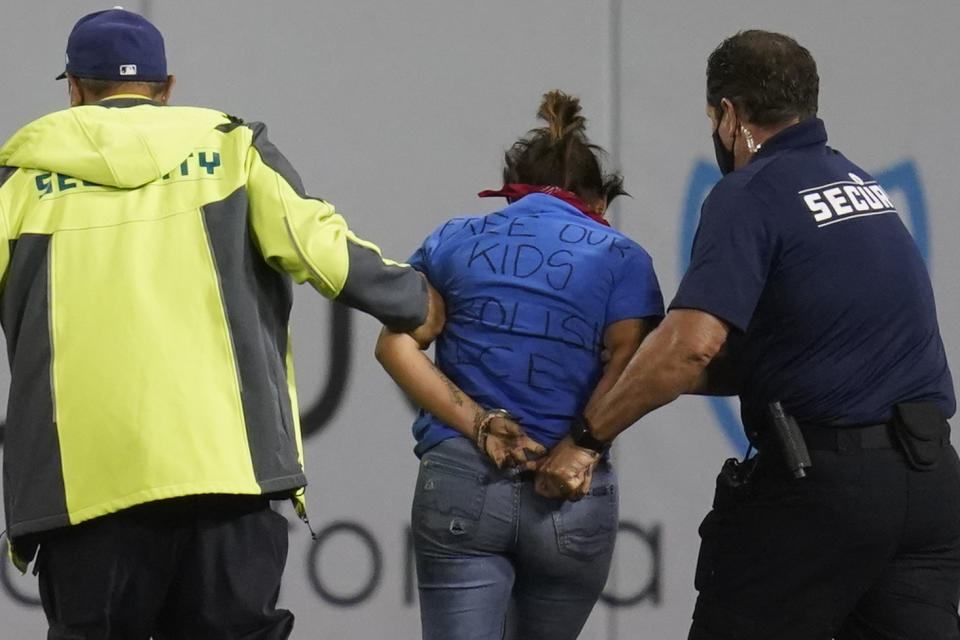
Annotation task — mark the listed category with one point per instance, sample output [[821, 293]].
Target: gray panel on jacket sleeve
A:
[[394, 295], [33, 480], [257, 300], [272, 157]]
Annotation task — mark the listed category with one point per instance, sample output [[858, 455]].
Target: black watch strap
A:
[[582, 436]]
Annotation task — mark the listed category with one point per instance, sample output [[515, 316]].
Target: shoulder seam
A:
[[5, 173], [234, 122]]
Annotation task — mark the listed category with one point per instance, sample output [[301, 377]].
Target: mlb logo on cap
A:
[[116, 45]]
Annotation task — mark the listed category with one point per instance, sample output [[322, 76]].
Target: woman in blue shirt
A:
[[545, 303]]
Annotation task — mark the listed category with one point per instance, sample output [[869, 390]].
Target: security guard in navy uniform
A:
[[807, 296]]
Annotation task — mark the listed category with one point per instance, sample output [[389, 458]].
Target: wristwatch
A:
[[582, 437]]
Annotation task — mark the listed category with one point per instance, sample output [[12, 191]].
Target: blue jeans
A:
[[482, 535]]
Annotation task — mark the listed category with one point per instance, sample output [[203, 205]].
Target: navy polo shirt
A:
[[804, 253], [529, 292]]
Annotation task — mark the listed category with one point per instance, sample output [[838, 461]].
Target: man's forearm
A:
[[621, 341], [655, 376], [671, 361]]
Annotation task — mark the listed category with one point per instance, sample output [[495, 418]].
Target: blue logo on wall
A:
[[902, 178]]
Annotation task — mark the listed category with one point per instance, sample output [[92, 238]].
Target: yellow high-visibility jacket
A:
[[146, 253]]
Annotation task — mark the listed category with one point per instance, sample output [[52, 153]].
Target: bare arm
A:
[[671, 361], [567, 470], [419, 377], [436, 317], [620, 342], [427, 386]]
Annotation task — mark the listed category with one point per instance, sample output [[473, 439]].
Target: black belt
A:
[[871, 436]]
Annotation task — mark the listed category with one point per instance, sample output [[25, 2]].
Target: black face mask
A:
[[725, 158]]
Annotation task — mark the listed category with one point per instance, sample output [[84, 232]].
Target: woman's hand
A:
[[503, 440]]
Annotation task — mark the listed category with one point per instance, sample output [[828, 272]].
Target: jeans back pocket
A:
[[587, 528], [448, 501]]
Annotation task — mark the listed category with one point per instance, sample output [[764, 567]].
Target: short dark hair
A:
[[560, 154], [98, 89], [769, 76]]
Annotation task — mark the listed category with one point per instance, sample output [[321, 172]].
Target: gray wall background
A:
[[399, 113]]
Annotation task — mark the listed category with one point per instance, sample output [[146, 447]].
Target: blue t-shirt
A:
[[803, 252], [529, 291]]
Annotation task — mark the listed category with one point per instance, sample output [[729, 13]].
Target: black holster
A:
[[789, 440], [923, 432]]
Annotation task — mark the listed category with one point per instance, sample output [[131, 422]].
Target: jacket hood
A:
[[124, 147]]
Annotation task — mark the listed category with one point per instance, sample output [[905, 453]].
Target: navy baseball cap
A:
[[116, 45]]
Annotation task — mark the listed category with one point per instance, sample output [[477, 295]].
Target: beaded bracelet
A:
[[481, 426]]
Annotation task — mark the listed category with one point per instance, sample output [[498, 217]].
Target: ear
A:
[[76, 93], [731, 119], [163, 97]]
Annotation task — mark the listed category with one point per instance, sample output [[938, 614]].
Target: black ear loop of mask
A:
[[725, 158]]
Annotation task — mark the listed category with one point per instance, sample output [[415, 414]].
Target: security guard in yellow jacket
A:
[[146, 253]]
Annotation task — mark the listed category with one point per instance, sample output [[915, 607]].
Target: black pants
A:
[[206, 567], [863, 548]]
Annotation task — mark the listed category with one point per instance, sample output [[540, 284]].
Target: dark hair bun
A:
[[560, 154], [562, 115]]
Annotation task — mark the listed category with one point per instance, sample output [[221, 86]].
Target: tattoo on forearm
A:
[[477, 416], [456, 396]]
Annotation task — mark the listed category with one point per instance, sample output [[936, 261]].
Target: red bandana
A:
[[513, 192]]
